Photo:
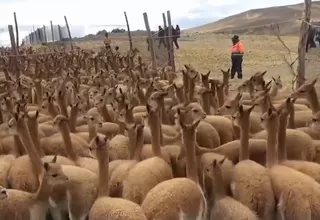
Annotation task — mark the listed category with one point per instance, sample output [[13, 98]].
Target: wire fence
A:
[[274, 52]]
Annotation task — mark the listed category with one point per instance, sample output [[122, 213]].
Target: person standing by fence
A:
[[310, 39], [175, 35], [161, 36], [178, 31], [237, 52]]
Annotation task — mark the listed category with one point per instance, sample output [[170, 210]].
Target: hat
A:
[[235, 37]]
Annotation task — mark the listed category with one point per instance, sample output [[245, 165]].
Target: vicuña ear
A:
[[46, 166]]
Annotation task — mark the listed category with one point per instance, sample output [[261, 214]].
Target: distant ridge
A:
[[249, 22]]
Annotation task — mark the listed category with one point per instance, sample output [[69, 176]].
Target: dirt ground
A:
[[211, 52]]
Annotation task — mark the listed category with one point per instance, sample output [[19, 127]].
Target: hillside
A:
[[249, 20]]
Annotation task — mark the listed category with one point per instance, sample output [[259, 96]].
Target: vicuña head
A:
[[54, 173], [59, 119]]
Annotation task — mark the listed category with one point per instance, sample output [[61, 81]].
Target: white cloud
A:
[[39, 12], [101, 12]]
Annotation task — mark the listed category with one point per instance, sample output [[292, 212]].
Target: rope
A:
[[309, 23]]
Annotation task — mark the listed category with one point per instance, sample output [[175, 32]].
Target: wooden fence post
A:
[[36, 39], [166, 31], [17, 30], [14, 52], [60, 33], [69, 32], [129, 32], [52, 34], [45, 34], [151, 41], [301, 69], [170, 47]]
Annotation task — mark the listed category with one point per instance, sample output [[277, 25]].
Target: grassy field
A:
[[211, 52]]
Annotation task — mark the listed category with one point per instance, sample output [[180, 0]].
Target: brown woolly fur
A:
[[143, 177], [257, 150], [230, 106], [24, 205], [313, 133], [222, 124], [168, 135], [119, 147], [250, 181], [5, 165], [308, 90], [108, 128], [302, 117], [222, 206], [106, 207], [94, 121], [114, 164], [208, 135], [88, 163], [174, 199], [54, 145], [297, 194], [179, 198], [309, 168], [6, 145], [314, 127], [299, 144], [147, 152], [205, 160], [148, 173], [25, 170], [47, 130], [81, 192], [135, 133], [21, 174], [317, 146]]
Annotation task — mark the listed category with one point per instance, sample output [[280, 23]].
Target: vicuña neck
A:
[[65, 133], [189, 141], [244, 141], [154, 124], [25, 137], [272, 142], [103, 160], [313, 100], [282, 149]]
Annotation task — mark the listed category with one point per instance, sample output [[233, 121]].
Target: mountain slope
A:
[[247, 22]]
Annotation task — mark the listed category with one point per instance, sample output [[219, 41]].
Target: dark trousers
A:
[[175, 41], [236, 66], [310, 44], [161, 40]]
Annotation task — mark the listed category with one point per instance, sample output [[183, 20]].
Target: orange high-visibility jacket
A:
[[237, 48]]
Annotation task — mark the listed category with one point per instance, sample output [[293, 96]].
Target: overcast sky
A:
[[188, 13]]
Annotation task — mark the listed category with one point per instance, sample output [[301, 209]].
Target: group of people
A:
[[162, 36], [163, 33], [237, 49], [313, 36]]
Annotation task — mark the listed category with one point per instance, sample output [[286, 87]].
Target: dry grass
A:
[[211, 52]]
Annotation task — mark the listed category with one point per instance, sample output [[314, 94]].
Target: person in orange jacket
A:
[[237, 52]]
